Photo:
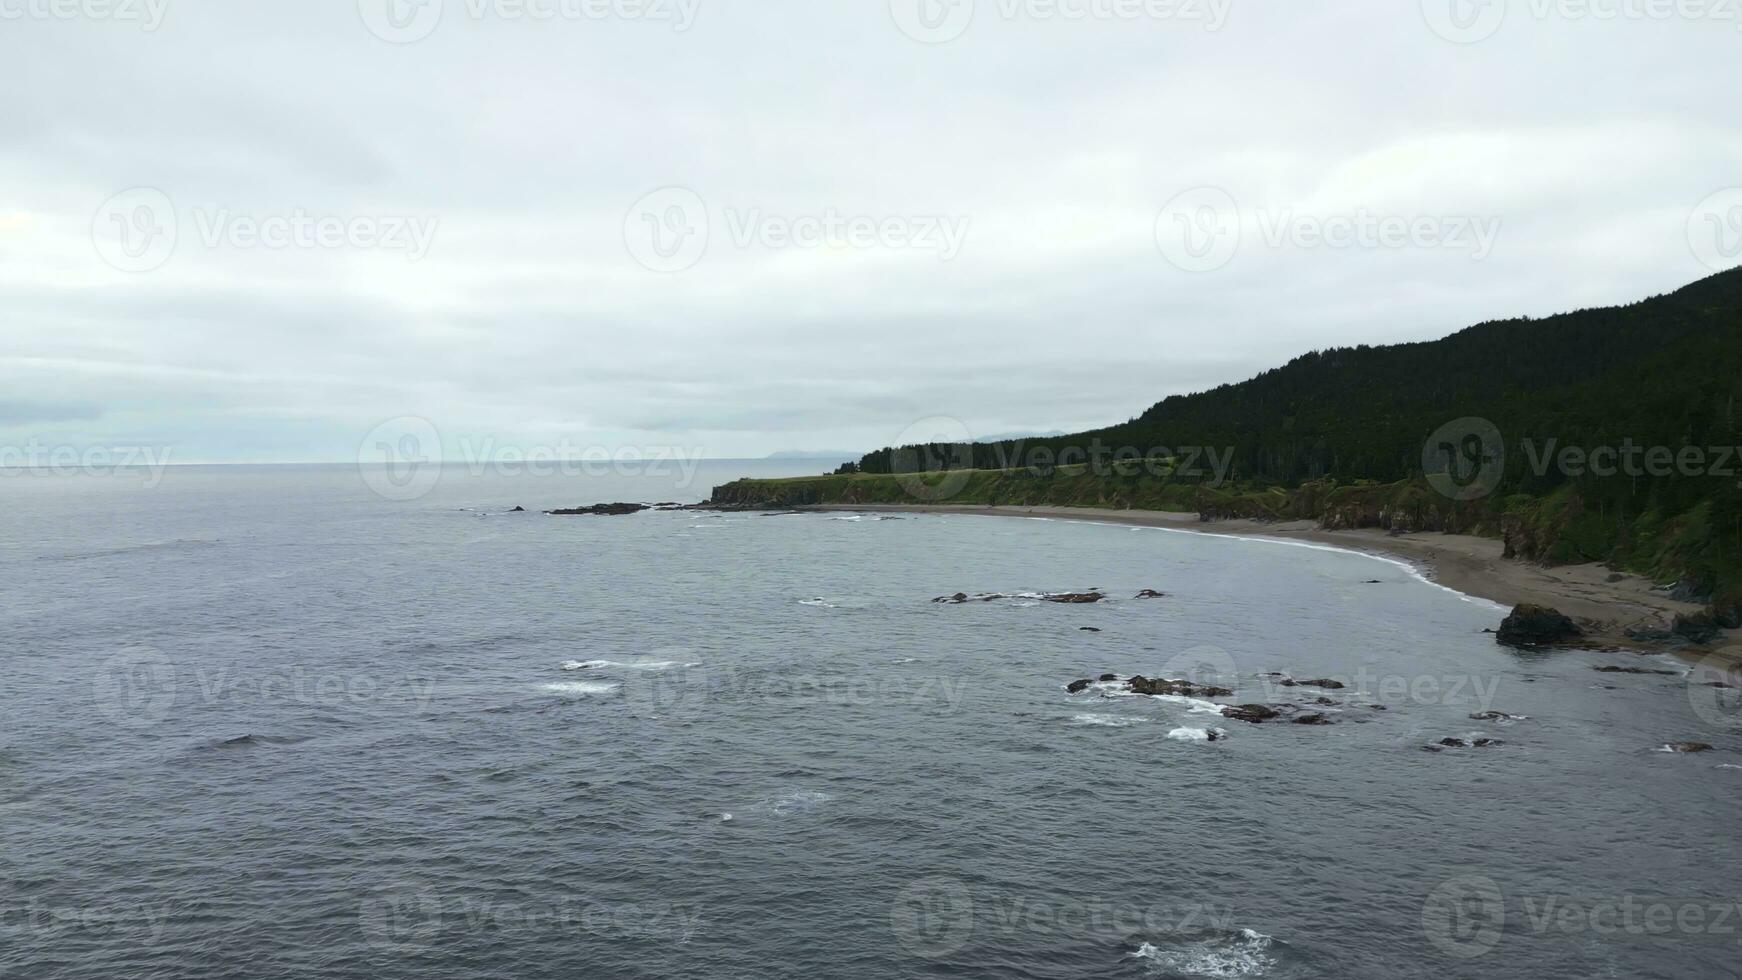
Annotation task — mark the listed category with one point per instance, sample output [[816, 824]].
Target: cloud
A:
[[525, 144]]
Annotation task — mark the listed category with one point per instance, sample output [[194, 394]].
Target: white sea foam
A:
[[1106, 721], [1193, 706], [621, 665], [1243, 954], [582, 687], [819, 601], [1414, 571], [1728, 765], [1196, 734], [797, 801]]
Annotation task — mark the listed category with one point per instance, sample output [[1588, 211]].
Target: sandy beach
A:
[[1471, 565]]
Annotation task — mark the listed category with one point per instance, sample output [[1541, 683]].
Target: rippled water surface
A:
[[262, 722]]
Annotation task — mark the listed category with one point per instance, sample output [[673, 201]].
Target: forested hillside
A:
[[1609, 435]]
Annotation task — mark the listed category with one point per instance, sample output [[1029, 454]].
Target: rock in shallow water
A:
[[599, 510], [1534, 626], [1144, 685], [1254, 713]]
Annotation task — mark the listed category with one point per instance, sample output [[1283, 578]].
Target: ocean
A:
[[268, 721]]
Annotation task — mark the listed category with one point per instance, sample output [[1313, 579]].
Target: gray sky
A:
[[987, 210]]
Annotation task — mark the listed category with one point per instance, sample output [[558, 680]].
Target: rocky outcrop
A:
[[1701, 628], [1324, 682], [1633, 670], [1316, 718], [1073, 598], [1537, 626], [1257, 714], [1151, 594], [1688, 747], [1144, 685], [600, 510]]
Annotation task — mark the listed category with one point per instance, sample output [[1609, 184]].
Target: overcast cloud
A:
[[254, 231]]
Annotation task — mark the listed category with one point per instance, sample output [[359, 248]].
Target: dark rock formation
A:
[[1324, 682], [1144, 685], [1688, 747], [1254, 713], [600, 510], [1535, 626], [1087, 629], [1076, 598], [1316, 718], [1151, 594], [1701, 628], [1076, 686], [518, 510], [1632, 670]]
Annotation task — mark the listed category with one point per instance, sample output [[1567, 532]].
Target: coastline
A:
[[1465, 564]]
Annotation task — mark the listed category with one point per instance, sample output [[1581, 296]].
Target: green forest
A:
[[1599, 435]]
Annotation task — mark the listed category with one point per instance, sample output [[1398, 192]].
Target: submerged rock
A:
[[1087, 629], [1534, 626], [1151, 594], [1324, 682], [1688, 747], [1495, 716], [1458, 743], [518, 510], [1633, 670], [1316, 718]]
